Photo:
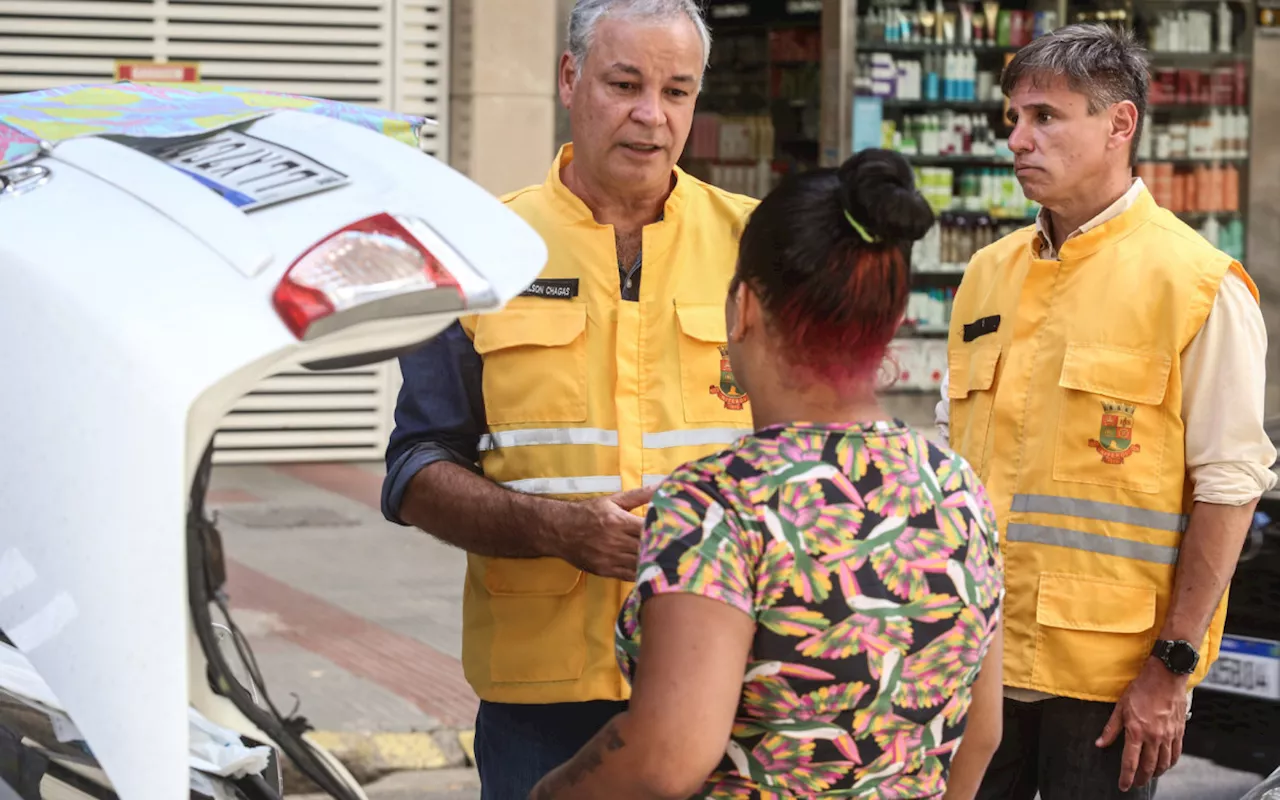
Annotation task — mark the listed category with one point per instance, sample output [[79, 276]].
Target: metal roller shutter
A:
[[388, 53]]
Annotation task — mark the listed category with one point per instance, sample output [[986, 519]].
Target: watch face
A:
[[1182, 657]]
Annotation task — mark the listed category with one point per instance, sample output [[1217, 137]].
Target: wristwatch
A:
[[1180, 657]]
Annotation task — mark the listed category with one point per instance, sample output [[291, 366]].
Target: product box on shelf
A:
[[1221, 86]]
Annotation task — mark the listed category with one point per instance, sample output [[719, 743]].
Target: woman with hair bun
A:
[[819, 603]]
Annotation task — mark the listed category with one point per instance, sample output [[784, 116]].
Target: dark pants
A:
[[516, 745], [1049, 746]]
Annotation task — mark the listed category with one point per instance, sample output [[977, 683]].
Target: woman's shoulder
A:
[[709, 473], [956, 475], [939, 455], [728, 478]]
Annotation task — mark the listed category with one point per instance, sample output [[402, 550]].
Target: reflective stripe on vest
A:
[[1091, 543], [588, 484], [599, 437], [1097, 510], [534, 436]]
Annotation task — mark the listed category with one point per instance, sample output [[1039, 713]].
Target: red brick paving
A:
[[346, 480], [411, 669], [224, 497]]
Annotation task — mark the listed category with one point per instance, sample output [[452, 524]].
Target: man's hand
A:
[[1152, 712], [609, 543]]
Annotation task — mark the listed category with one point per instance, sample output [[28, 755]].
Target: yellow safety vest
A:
[[587, 395], [1065, 396]]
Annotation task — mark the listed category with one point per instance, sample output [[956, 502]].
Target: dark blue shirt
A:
[[440, 411]]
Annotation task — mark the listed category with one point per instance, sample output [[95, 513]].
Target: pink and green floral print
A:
[[868, 558]]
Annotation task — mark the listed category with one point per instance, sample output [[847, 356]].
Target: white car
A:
[[142, 293]]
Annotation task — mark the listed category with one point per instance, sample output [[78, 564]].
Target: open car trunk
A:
[[145, 293]]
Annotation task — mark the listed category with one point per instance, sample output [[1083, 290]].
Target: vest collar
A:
[[578, 210], [1113, 230]]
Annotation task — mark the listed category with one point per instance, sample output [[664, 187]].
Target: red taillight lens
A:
[[369, 260]]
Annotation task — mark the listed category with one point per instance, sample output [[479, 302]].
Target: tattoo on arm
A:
[[614, 741], [587, 761]]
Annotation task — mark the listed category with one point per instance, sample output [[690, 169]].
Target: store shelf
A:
[[1165, 59], [1197, 217], [904, 47], [1197, 162], [974, 216], [909, 331], [944, 105], [1192, 109], [958, 161], [757, 65]]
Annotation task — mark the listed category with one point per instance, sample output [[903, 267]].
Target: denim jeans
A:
[[1048, 746], [517, 745]]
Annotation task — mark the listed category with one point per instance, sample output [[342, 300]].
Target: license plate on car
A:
[[1247, 666], [247, 171]]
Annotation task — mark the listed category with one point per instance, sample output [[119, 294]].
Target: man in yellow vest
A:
[[532, 438], [1106, 381]]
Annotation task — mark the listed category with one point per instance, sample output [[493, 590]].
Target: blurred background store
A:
[[793, 84], [923, 77]]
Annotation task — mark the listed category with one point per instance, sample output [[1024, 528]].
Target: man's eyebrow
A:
[[634, 71]]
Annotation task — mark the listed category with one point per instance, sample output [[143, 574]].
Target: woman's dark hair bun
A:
[[877, 188]]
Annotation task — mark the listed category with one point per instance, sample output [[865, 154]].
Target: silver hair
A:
[[1105, 64], [586, 14]]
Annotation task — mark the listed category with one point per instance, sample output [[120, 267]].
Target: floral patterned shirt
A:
[[868, 558]]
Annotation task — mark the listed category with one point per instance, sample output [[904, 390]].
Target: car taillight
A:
[[369, 260]]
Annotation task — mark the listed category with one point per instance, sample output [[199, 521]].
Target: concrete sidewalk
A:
[[354, 619]]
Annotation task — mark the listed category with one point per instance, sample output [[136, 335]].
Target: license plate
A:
[[246, 171], [1246, 666]]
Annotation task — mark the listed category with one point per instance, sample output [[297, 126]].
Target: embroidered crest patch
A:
[[1115, 437], [728, 391]]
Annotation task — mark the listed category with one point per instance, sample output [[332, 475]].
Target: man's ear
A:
[[1124, 124], [567, 76]]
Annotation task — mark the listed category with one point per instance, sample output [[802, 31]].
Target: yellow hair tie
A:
[[861, 230]]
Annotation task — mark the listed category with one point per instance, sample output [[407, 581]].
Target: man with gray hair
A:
[[534, 437], [1106, 380]]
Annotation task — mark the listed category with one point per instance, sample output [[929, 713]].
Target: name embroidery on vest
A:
[[553, 288], [1115, 437]]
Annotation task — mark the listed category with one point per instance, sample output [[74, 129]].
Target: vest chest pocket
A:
[[970, 388], [1111, 423], [535, 364], [707, 386]]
